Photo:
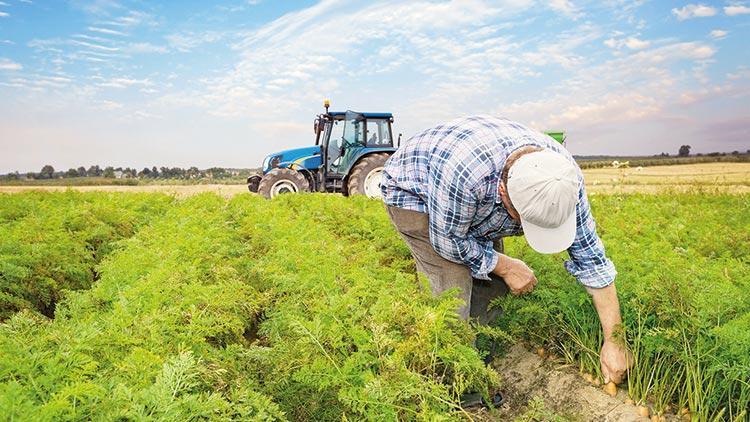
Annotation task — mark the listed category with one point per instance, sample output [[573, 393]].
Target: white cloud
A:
[[144, 48], [7, 64], [187, 41], [736, 9], [718, 34], [121, 83], [4, 14], [694, 11], [566, 7], [106, 31], [631, 43], [132, 18], [110, 105]]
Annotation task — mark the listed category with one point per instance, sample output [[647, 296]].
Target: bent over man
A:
[[454, 190]]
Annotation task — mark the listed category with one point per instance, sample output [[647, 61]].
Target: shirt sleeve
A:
[[588, 262], [452, 206]]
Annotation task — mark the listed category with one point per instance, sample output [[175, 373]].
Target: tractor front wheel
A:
[[282, 180], [253, 182], [366, 176]]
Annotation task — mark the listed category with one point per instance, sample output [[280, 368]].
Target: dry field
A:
[[704, 177]]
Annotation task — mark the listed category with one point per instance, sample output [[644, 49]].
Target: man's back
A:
[[472, 149]]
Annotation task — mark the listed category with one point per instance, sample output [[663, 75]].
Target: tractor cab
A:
[[348, 156]]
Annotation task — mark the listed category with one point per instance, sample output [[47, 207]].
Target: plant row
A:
[[50, 243]]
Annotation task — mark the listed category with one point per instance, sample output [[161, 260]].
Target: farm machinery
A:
[[350, 151], [348, 157]]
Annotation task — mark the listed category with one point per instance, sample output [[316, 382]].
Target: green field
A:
[[143, 306]]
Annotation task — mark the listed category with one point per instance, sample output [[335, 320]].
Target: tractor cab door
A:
[[346, 140]]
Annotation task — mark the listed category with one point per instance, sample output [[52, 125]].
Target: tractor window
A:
[[378, 134], [336, 141]]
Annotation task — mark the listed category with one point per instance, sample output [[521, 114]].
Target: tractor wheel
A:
[[253, 182], [282, 180], [366, 176]]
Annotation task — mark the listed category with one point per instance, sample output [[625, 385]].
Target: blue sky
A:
[[137, 83]]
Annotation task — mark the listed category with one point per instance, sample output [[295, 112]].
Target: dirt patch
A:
[[527, 377]]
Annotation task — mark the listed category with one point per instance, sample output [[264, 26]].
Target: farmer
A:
[[455, 190]]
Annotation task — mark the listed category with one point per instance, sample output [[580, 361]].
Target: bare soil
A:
[[527, 376]]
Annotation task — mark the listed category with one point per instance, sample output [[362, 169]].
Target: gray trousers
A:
[[444, 274]]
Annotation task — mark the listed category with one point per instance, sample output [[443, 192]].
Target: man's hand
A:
[[615, 360], [517, 275]]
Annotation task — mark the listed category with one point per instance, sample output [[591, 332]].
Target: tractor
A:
[[348, 157]]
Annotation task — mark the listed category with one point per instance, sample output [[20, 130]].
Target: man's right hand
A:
[[517, 275]]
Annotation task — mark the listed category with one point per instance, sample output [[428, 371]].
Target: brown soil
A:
[[526, 376]]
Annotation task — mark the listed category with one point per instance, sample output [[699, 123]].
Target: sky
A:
[[194, 83]]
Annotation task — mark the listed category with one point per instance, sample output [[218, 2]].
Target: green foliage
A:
[[308, 307], [684, 273], [51, 242], [246, 310]]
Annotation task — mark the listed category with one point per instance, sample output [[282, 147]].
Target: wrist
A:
[[501, 267]]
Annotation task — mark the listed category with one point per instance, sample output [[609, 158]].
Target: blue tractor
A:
[[348, 157]]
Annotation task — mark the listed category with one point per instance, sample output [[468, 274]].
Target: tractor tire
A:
[[253, 182], [366, 175], [282, 180]]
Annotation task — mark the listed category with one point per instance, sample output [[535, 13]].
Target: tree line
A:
[[49, 172]]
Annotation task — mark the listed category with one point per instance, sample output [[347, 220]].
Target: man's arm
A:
[[591, 267], [614, 357]]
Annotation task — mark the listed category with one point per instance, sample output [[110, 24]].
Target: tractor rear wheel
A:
[[282, 180], [366, 176]]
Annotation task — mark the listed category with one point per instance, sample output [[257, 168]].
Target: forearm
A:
[[608, 307]]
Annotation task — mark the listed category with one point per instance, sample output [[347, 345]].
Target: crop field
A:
[[135, 306]]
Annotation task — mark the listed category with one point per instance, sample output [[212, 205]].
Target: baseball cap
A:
[[543, 187]]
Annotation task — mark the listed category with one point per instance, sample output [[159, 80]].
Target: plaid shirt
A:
[[452, 172]]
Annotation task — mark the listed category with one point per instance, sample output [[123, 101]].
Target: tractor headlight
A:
[[275, 161]]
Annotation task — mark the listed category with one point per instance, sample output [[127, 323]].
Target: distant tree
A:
[[13, 176], [109, 172], [154, 172], [735, 153], [193, 172], [94, 171], [146, 172], [665, 154], [71, 173], [216, 172], [684, 151], [31, 175], [81, 171], [47, 172]]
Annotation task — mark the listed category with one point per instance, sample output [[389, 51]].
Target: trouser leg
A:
[[441, 273], [484, 291]]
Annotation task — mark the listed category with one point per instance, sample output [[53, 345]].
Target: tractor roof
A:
[[366, 114]]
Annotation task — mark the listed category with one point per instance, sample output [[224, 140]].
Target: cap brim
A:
[[545, 240]]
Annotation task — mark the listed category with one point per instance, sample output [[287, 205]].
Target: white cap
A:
[[543, 187]]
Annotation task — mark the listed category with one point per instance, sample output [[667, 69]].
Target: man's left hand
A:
[[615, 360]]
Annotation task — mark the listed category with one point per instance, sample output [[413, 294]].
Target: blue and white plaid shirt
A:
[[452, 172]]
